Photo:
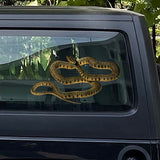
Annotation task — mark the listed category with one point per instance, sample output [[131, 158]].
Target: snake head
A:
[[71, 59]]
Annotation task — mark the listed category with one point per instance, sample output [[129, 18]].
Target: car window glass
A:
[[78, 71]]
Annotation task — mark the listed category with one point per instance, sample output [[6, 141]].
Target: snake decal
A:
[[92, 79]]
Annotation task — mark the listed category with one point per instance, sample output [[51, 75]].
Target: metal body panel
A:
[[67, 149], [151, 75]]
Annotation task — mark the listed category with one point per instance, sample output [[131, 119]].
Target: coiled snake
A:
[[92, 79]]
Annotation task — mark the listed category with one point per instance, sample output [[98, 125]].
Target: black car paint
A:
[[40, 148]]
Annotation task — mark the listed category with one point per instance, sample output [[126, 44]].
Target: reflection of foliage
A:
[[36, 67], [25, 57], [29, 57]]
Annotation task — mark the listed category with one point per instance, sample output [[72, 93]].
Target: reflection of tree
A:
[[30, 67], [17, 47], [30, 57]]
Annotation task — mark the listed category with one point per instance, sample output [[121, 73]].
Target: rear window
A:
[[78, 71]]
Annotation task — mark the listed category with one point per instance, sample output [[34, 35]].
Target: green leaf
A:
[[43, 61], [133, 1], [34, 3], [77, 2], [41, 71], [12, 69], [18, 65], [62, 3], [155, 3], [21, 75], [149, 13], [45, 58]]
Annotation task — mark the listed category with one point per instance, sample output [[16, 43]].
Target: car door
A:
[[85, 107]]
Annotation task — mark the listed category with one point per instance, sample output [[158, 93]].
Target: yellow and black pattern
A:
[[92, 79]]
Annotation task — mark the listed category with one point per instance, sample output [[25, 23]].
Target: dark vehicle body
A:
[[131, 132]]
